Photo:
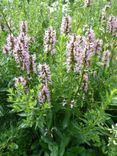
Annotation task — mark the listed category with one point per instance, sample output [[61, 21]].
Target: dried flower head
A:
[[79, 54], [93, 44]]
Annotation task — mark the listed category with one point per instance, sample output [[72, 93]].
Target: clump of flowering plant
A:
[[60, 87]]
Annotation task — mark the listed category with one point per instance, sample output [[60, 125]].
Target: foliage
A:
[[59, 112]]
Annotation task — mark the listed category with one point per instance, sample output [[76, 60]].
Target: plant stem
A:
[[6, 21]]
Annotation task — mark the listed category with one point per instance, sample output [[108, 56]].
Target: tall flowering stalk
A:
[[76, 48], [94, 45], [44, 73], [112, 25], [71, 48], [66, 25], [106, 58], [18, 47], [80, 50], [49, 41], [44, 94], [80, 54], [45, 76], [9, 45]]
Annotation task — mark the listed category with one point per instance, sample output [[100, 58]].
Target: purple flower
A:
[[112, 25], [44, 95], [90, 35], [98, 45], [44, 73], [23, 27], [33, 64], [94, 45], [9, 44], [49, 41], [26, 61], [66, 24], [6, 49], [80, 54], [18, 47], [106, 58], [71, 49], [81, 49], [20, 80]]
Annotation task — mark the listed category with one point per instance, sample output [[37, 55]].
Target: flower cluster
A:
[[20, 80], [80, 50], [45, 76], [66, 25], [80, 54], [71, 49], [10, 44], [44, 95], [18, 47], [44, 73], [49, 41], [112, 25], [106, 58], [94, 45]]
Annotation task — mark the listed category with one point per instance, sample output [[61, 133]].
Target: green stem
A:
[[6, 21]]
